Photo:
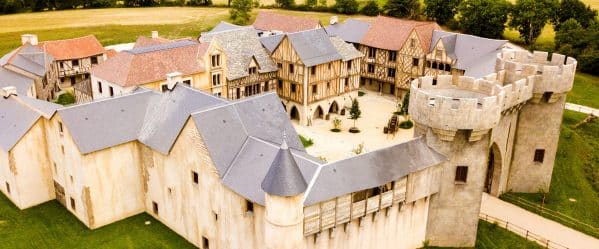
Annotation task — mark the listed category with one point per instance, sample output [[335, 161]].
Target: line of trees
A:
[[14, 6]]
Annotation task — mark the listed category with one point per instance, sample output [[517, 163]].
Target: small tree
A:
[[359, 149], [484, 18], [576, 9], [285, 4], [311, 3], [349, 7], [402, 8], [530, 16], [371, 8], [406, 105], [240, 11], [336, 125], [355, 112]]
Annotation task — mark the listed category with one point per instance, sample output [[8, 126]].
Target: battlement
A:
[[554, 76], [453, 103], [515, 93]]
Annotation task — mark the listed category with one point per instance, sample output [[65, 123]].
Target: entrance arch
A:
[[294, 113], [318, 113], [494, 167], [334, 107]]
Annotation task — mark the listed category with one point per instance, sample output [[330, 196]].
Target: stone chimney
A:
[[172, 79], [29, 38], [154, 34], [334, 20], [8, 91]]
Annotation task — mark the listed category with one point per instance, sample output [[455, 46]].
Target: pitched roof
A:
[[152, 118], [241, 46], [371, 169], [392, 33], [18, 114], [271, 42], [476, 55], [346, 50], [149, 64], [284, 178], [29, 58], [351, 30], [314, 47], [75, 48], [144, 41], [9, 78], [270, 21], [224, 26]]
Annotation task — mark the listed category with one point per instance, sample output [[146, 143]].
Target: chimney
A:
[[334, 20], [172, 79], [8, 91], [29, 38], [154, 34]]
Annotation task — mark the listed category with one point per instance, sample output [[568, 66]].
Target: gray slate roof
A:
[[17, 115], [224, 26], [314, 47], [351, 30], [160, 47], [346, 50], [29, 58], [284, 177], [241, 45], [9, 78], [476, 55], [271, 42], [371, 169]]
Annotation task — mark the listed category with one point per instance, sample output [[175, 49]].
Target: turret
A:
[[284, 187]]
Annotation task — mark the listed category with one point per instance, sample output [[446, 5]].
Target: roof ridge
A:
[[245, 142]]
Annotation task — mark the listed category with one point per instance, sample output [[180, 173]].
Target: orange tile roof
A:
[[111, 53], [391, 33], [267, 20], [75, 48], [129, 68]]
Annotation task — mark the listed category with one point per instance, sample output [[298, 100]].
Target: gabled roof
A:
[[271, 21], [392, 33], [29, 58], [9, 78], [476, 55], [144, 41], [314, 47], [371, 170], [75, 48], [351, 30], [149, 64], [346, 50], [224, 26], [18, 114], [152, 118], [284, 177], [271, 42], [241, 46]]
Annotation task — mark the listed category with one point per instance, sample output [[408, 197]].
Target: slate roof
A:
[[392, 33], [346, 50], [75, 48], [151, 63], [18, 114], [9, 78], [29, 58], [314, 47], [351, 30], [241, 45], [476, 55], [284, 178], [371, 169], [224, 26], [270, 21], [271, 42]]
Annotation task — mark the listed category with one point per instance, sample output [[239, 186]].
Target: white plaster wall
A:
[[118, 90]]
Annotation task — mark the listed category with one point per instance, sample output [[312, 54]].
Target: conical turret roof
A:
[[284, 177]]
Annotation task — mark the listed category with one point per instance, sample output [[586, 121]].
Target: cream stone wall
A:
[[503, 137]]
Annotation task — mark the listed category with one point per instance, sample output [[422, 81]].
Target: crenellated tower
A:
[[539, 120], [456, 114]]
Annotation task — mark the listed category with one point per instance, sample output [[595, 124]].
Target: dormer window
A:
[[215, 60], [252, 70]]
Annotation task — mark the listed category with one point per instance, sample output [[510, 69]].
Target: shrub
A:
[[348, 7], [370, 9], [336, 125], [359, 149], [65, 99], [361, 93], [408, 124], [307, 142]]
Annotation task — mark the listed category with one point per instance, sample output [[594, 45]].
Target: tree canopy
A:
[[371, 8], [576, 10], [402, 8], [441, 11], [484, 18], [349, 7], [530, 16], [240, 11]]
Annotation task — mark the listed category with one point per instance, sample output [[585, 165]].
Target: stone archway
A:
[[334, 107], [494, 167], [294, 113], [318, 113]]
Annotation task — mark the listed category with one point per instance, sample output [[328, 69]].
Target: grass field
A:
[[585, 90], [576, 172]]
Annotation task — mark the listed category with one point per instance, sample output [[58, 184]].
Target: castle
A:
[[233, 173]]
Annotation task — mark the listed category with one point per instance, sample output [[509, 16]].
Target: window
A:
[[280, 83], [392, 55], [293, 88], [434, 82], [60, 128], [72, 180], [539, 155], [7, 187], [391, 72], [111, 91], [73, 204], [266, 86], [195, 177], [314, 89], [252, 70], [447, 67], [279, 65], [164, 87], [94, 60], [313, 70], [412, 42], [215, 60], [547, 96], [349, 65], [205, 243], [461, 174], [370, 68], [415, 62], [75, 63], [155, 207], [290, 68], [216, 79], [187, 82], [328, 85], [329, 66], [371, 52], [249, 207], [434, 65], [99, 86]]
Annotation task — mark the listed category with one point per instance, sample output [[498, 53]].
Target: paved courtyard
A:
[[376, 112]]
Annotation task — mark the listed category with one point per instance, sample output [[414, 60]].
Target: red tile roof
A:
[[75, 48], [143, 41], [267, 20], [131, 69], [391, 33]]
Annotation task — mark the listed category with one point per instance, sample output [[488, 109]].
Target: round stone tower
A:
[[540, 118], [456, 115]]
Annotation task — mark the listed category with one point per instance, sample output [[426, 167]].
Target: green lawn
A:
[[490, 236], [585, 90], [50, 225], [574, 187]]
